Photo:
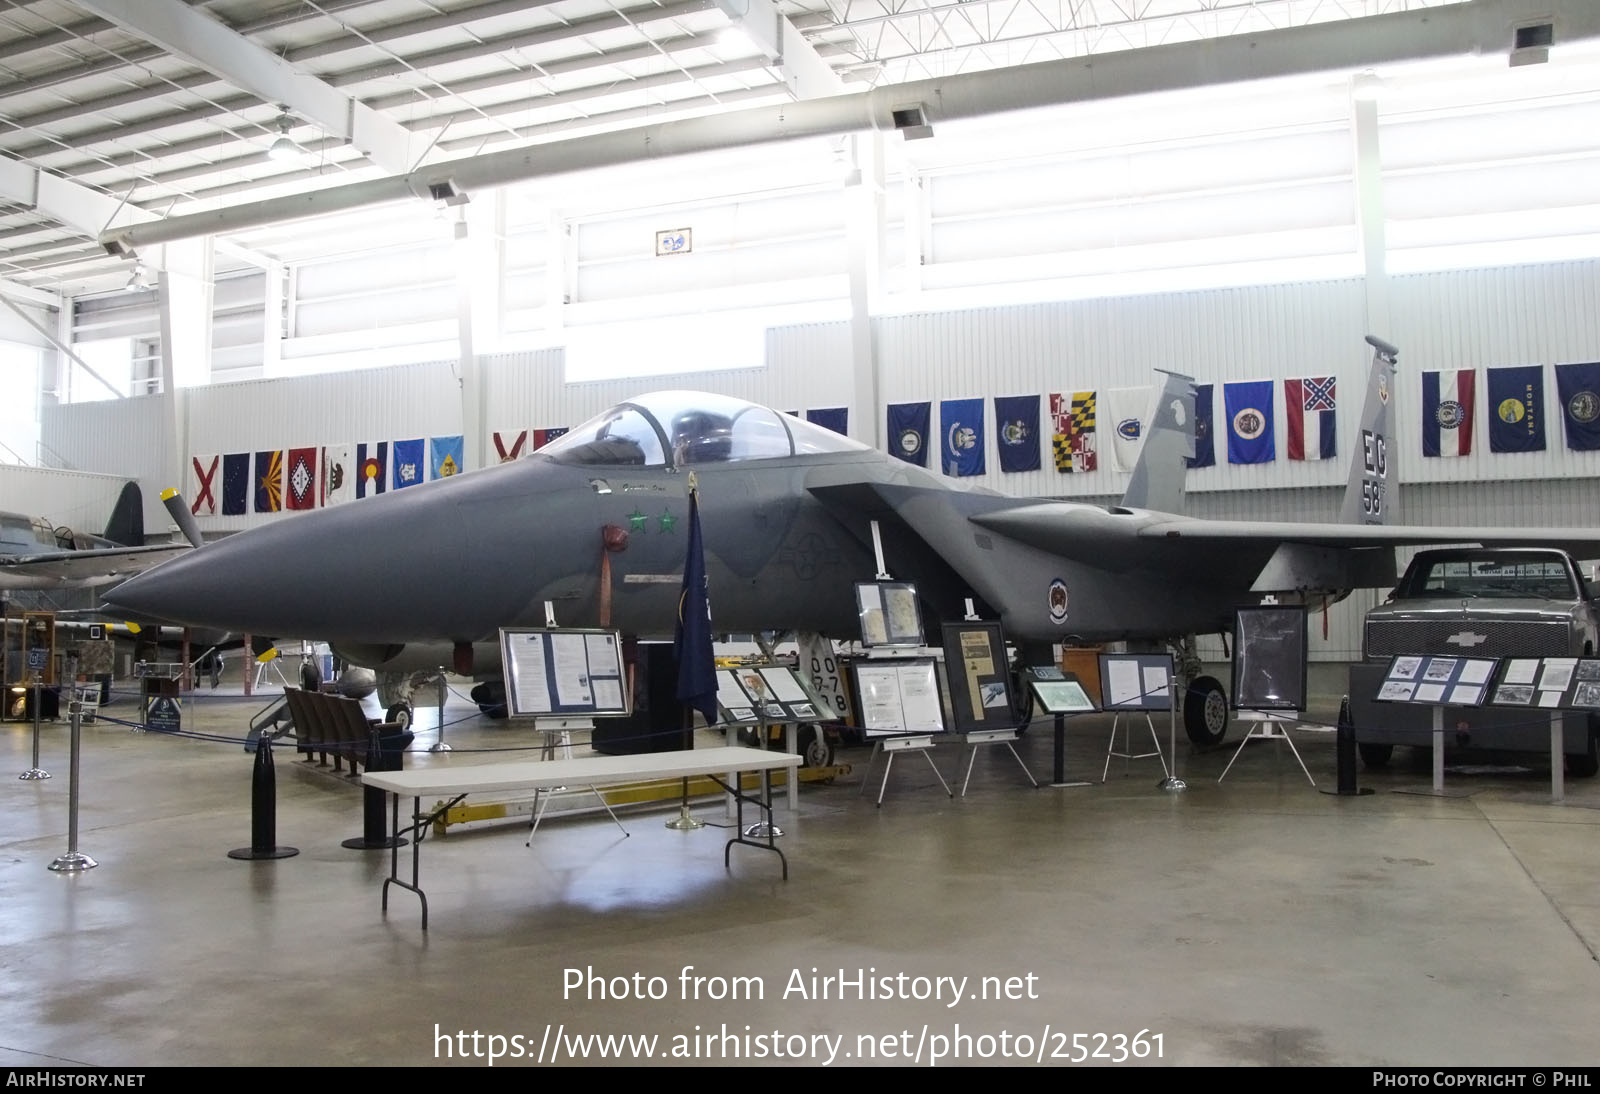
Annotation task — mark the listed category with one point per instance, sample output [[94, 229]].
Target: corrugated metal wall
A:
[[132, 438], [80, 500]]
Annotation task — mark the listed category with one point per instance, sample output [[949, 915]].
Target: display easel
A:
[[890, 746], [1269, 728], [1269, 674], [1134, 685], [1127, 743]]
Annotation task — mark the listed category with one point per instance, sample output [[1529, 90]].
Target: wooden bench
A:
[[596, 771], [332, 724]]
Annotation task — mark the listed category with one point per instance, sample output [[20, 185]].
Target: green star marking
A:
[[636, 520], [667, 521]]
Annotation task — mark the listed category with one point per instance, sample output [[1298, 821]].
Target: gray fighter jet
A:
[[424, 577]]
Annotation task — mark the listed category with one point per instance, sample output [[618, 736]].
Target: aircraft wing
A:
[[94, 567]]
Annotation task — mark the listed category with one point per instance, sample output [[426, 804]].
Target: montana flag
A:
[[508, 446], [1127, 409], [372, 468], [1578, 388], [1205, 443], [300, 479], [338, 474], [444, 456], [835, 418], [205, 483], [1248, 405], [408, 466], [269, 482], [542, 437], [908, 432], [961, 425], [1308, 407], [1072, 432], [1516, 409], [1016, 431], [235, 484], [697, 666], [1447, 411]]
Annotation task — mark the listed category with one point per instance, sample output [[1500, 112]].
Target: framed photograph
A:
[[1269, 658], [897, 697], [1136, 681], [888, 613], [979, 675], [1062, 697]]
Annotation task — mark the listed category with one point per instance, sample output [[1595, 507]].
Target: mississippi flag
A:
[[1309, 406], [1447, 407]]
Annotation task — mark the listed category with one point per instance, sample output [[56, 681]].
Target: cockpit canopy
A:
[[685, 428]]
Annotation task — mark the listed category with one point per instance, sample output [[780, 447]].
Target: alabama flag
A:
[[1447, 404], [1308, 405]]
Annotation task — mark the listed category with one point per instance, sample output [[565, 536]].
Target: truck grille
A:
[[1523, 638]]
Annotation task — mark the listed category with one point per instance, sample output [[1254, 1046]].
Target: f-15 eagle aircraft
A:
[[36, 555], [425, 576]]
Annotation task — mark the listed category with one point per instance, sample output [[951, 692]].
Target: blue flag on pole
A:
[[962, 423], [1205, 445], [697, 668], [1249, 408], [908, 432], [1516, 409], [1578, 387], [1016, 423]]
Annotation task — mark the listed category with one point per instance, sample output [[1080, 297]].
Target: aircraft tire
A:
[[1205, 711], [399, 712], [815, 751], [1375, 756]]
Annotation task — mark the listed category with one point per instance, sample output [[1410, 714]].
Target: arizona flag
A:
[[1308, 404], [1447, 412], [300, 482], [269, 482], [372, 468]]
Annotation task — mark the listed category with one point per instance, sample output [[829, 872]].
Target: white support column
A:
[[272, 321], [186, 314], [914, 232], [1369, 201], [864, 218], [560, 271], [478, 293]]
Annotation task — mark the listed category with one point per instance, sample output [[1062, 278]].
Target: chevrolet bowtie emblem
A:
[[1467, 639]]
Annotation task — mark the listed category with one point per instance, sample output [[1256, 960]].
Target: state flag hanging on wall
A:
[[1072, 440], [1308, 404], [1127, 408], [835, 418], [338, 474], [408, 466], [205, 483], [509, 446], [1205, 441], [1448, 400], [269, 482], [1516, 409], [542, 437], [300, 479], [961, 430], [1248, 405], [1016, 430], [1578, 388], [372, 468], [445, 454], [908, 432], [235, 484]]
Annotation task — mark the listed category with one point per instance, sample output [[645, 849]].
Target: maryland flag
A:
[[1072, 438], [269, 482]]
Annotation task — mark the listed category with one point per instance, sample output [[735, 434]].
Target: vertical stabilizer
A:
[[1157, 481], [1372, 494], [126, 526]]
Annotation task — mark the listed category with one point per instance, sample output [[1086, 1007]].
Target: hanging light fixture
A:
[[284, 147], [140, 280]]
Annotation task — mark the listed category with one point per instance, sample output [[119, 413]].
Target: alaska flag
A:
[[235, 484], [908, 432], [1016, 423], [372, 468], [1249, 407], [1205, 445], [835, 418], [1516, 409], [408, 467], [1578, 387], [962, 423], [697, 668]]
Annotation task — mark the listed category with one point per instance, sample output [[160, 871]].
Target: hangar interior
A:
[[228, 227]]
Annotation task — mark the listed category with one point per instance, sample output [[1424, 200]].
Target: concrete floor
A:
[[1252, 922]]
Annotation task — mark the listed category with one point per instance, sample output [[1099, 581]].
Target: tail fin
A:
[[1157, 481], [1372, 494], [126, 526]]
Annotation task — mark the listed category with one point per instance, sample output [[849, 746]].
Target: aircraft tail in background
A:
[[1157, 481], [126, 526], [1372, 494]]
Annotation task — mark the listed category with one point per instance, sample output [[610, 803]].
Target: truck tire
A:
[[1205, 711], [1375, 757]]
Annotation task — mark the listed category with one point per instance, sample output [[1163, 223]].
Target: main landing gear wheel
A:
[[1205, 711], [1375, 756], [815, 751], [399, 712]]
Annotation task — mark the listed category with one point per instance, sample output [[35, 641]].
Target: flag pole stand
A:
[[684, 822]]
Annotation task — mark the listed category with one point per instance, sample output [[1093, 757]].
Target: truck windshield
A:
[[1545, 579]]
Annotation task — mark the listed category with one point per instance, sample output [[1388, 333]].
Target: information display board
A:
[[1550, 683], [897, 697], [1438, 681], [1269, 658], [565, 671], [1136, 681], [888, 613], [1059, 693], [767, 693], [979, 677]]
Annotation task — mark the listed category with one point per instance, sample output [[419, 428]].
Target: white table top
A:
[[584, 771]]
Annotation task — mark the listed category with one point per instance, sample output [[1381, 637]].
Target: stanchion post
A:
[[36, 772], [263, 808], [73, 861]]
